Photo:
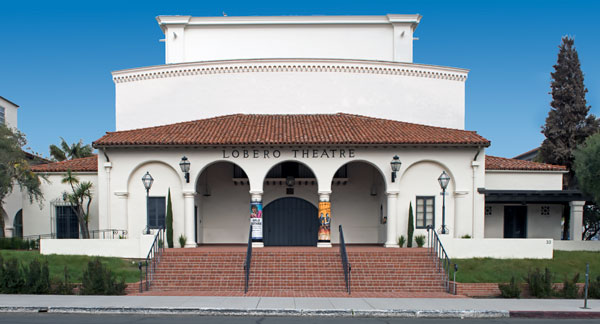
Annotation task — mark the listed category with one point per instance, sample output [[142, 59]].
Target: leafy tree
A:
[[80, 199], [169, 221], [411, 226], [568, 123], [587, 169], [14, 170], [69, 152]]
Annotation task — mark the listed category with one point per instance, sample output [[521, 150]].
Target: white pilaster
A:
[[107, 219], [256, 197], [478, 212], [122, 199], [392, 220], [188, 218], [576, 220], [325, 196]]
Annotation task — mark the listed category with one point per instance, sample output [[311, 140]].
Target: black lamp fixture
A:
[[395, 166], [290, 181], [185, 168], [147, 180], [444, 180]]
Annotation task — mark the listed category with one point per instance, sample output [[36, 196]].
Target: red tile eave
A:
[[82, 165], [505, 164]]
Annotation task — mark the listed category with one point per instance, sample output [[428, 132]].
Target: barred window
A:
[[425, 211]]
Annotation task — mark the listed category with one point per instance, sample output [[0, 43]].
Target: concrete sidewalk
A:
[[274, 306]]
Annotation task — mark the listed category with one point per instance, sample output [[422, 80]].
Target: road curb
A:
[[554, 314], [259, 312]]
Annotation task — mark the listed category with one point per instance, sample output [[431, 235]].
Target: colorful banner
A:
[[325, 220], [256, 221]]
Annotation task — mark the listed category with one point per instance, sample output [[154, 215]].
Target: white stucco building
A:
[[292, 124]]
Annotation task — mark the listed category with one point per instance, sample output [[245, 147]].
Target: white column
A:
[[107, 220], [256, 220], [576, 220], [324, 239], [188, 218], [122, 208], [392, 220], [478, 211]]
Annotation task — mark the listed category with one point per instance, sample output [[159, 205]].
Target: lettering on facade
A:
[[297, 154]]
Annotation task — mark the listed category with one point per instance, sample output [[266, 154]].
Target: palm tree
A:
[[69, 152], [81, 194]]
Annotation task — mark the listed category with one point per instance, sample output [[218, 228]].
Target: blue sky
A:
[[56, 56]]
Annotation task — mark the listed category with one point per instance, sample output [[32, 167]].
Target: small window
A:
[[2, 117], [425, 215], [156, 212]]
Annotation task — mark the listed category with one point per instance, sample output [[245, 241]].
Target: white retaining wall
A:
[[577, 245], [126, 248], [498, 248]]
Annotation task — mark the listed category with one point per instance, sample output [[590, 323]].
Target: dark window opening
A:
[[156, 212], [425, 211], [67, 226]]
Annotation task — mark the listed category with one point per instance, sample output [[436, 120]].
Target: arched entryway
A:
[[18, 224], [290, 221]]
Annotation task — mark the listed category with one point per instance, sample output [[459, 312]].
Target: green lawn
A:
[[501, 270], [126, 269]]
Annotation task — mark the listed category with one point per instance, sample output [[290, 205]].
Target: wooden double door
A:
[[290, 221]]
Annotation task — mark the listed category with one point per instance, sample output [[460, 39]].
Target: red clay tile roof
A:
[[499, 163], [87, 164], [331, 129]]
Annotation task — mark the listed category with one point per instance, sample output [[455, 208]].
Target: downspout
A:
[[474, 165]]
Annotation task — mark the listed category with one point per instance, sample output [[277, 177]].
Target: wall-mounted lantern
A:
[[185, 168], [395, 167]]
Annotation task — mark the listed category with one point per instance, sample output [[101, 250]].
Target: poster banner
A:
[[256, 221], [324, 220]]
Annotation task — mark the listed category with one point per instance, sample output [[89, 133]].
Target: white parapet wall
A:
[[125, 248], [458, 248], [577, 245]]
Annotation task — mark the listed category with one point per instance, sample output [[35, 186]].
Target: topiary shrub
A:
[[511, 289], [169, 221], [182, 240], [97, 280], [401, 240], [540, 284], [37, 278], [411, 226], [570, 289]]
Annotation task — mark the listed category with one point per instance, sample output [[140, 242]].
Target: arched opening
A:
[[290, 197], [18, 224], [290, 221], [359, 204], [221, 204]]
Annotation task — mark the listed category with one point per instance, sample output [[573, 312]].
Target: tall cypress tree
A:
[[411, 226], [568, 123], [169, 221]]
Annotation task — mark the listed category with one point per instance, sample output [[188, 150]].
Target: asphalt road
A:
[[177, 319]]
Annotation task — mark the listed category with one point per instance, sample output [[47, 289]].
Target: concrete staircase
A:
[[304, 269]]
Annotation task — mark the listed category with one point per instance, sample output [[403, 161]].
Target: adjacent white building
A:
[[300, 124]]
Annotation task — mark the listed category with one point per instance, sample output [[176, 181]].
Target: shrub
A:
[[594, 288], [466, 236], [169, 221], [540, 284], [14, 243], [420, 240], [37, 278], [411, 226], [570, 289], [12, 277], [511, 289], [182, 240], [64, 287], [401, 240], [97, 280]]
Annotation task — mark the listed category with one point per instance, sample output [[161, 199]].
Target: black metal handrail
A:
[[152, 259], [441, 258], [94, 234], [345, 264], [248, 261]]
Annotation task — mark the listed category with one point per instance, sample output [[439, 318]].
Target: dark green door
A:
[[290, 221], [515, 221]]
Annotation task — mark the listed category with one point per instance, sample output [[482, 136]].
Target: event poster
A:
[[324, 220], [256, 220]]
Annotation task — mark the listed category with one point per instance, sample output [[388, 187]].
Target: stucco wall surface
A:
[[538, 225], [40, 218], [124, 248], [498, 248], [10, 113], [577, 245], [523, 180], [168, 94]]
